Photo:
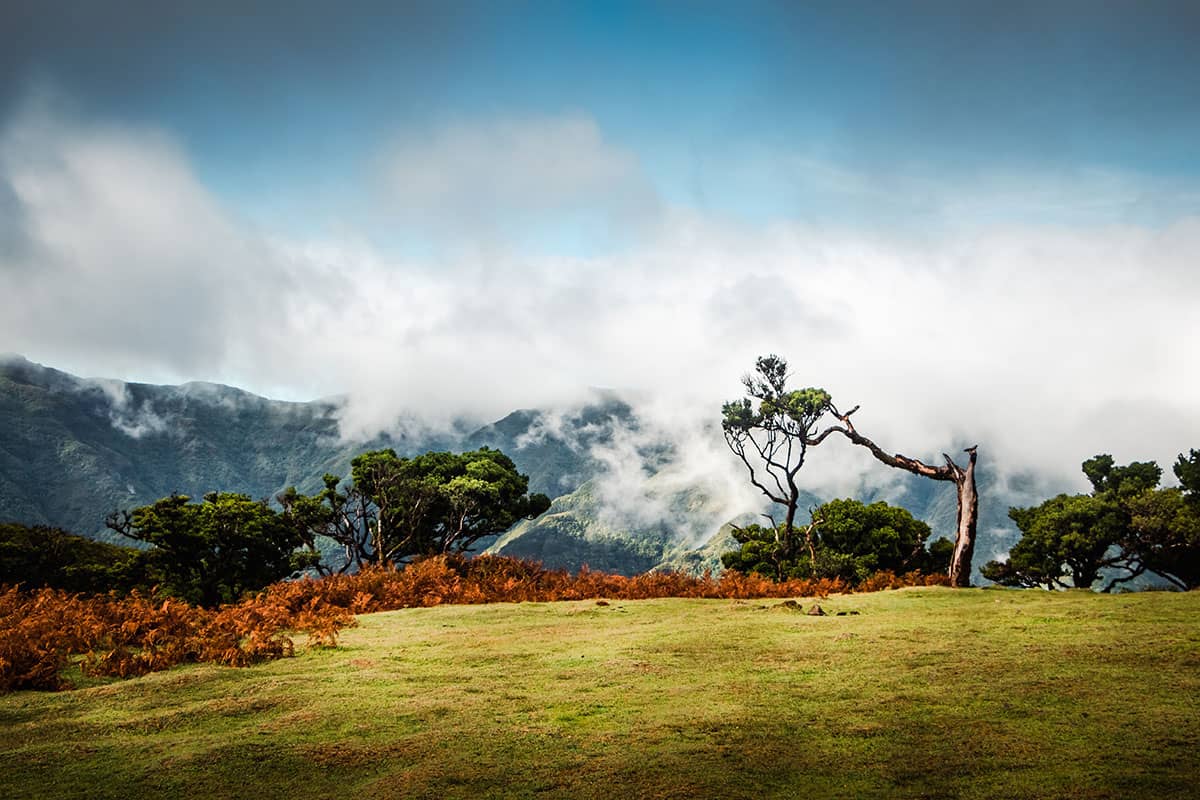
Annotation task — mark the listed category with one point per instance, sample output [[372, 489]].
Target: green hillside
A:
[[556, 457], [574, 532], [582, 528], [921, 693]]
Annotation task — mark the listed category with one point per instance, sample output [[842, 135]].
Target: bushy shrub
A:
[[42, 632]]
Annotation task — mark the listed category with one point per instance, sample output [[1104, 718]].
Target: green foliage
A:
[[1137, 476], [792, 412], [1068, 536], [442, 502], [771, 430], [849, 540], [399, 508], [875, 537], [938, 556], [1187, 470], [215, 551], [1126, 525], [762, 553], [1165, 527], [42, 556]]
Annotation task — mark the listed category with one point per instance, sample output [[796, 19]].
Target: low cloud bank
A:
[[1044, 344]]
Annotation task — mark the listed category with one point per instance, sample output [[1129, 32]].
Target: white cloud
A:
[[698, 488], [535, 179], [125, 259], [126, 415], [1043, 343]]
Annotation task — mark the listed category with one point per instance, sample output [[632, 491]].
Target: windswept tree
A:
[[774, 435], [344, 517], [963, 478], [771, 430]]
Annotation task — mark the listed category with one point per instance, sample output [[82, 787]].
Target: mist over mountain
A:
[[73, 449], [630, 493]]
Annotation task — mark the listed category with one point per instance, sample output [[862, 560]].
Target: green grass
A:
[[924, 693]]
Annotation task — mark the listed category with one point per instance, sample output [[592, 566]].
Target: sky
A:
[[979, 221]]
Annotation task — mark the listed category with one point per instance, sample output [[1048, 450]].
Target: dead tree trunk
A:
[[963, 479], [968, 519]]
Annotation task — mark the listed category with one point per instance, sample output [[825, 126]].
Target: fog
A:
[[1044, 343]]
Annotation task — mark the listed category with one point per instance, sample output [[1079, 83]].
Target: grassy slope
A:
[[930, 692]]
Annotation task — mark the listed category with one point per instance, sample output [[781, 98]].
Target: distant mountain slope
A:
[[555, 450], [584, 528], [575, 532], [74, 449]]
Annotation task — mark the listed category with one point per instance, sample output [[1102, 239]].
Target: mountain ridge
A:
[[73, 449]]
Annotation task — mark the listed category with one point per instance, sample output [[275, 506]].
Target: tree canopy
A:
[[846, 539], [776, 433], [1066, 537], [1123, 529], [771, 429], [36, 556], [215, 551], [399, 508]]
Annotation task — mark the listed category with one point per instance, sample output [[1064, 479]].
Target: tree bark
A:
[[789, 524], [963, 479], [968, 521], [808, 539]]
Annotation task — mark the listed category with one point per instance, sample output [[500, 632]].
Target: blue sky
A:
[[283, 106], [945, 209]]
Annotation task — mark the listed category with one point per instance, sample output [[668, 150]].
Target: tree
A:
[[1123, 529], [784, 425], [1068, 536], [1187, 470], [847, 539], [1114, 481], [215, 551], [874, 537], [1165, 526], [962, 477], [343, 517], [346, 517], [400, 508], [773, 428], [41, 556], [1165, 535], [763, 551]]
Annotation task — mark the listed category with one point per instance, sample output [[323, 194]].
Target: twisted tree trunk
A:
[[963, 479]]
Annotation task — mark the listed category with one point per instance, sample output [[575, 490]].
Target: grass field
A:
[[923, 693]]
